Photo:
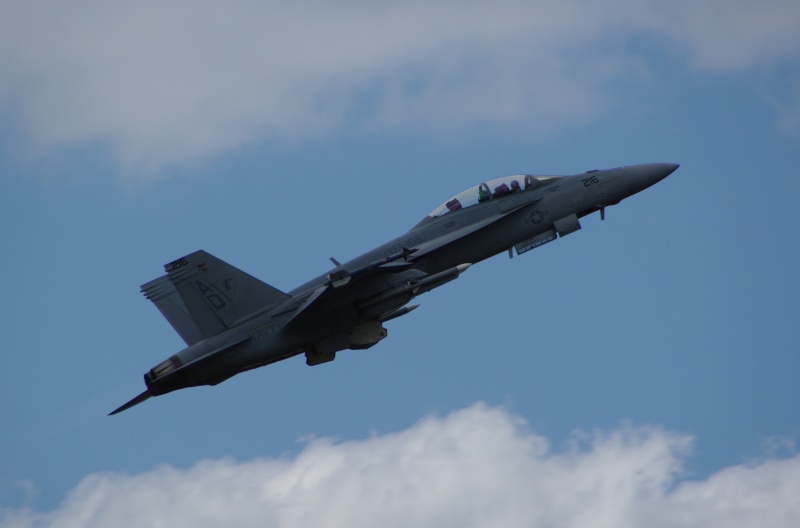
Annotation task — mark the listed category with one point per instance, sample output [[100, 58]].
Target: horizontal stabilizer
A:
[[136, 401]]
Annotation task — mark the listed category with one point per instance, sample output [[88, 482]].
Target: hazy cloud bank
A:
[[156, 84], [480, 466]]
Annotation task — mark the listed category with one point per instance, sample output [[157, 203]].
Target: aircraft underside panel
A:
[[361, 337], [534, 242]]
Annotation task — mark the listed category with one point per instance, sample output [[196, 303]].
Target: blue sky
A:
[[641, 370]]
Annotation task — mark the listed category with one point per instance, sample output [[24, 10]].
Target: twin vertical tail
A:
[[201, 296]]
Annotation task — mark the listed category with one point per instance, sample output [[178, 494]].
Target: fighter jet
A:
[[232, 322]]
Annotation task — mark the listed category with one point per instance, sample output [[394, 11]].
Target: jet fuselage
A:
[[231, 329]]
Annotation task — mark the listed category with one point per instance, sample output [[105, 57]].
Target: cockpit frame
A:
[[494, 189]]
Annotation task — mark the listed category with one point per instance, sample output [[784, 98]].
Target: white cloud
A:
[[479, 467], [156, 84], [729, 35]]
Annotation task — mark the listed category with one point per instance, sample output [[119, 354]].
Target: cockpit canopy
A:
[[497, 188]]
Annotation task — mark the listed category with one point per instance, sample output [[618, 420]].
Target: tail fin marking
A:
[[202, 295]]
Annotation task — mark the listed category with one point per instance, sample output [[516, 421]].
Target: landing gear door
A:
[[568, 224]]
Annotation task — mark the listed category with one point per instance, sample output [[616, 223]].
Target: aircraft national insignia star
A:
[[537, 217], [232, 322]]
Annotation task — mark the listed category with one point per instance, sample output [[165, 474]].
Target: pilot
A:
[[515, 186], [501, 190], [453, 205]]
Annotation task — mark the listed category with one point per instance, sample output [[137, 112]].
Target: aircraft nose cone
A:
[[647, 174]]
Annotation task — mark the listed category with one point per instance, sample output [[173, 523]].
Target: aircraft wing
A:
[[436, 243], [306, 302], [351, 285]]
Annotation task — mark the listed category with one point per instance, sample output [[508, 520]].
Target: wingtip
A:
[[136, 401]]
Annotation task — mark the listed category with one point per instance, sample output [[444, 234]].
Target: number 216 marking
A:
[[175, 264], [590, 180]]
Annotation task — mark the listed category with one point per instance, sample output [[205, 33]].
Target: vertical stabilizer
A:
[[169, 303], [202, 295]]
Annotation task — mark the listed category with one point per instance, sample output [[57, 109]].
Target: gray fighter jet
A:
[[233, 322]]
